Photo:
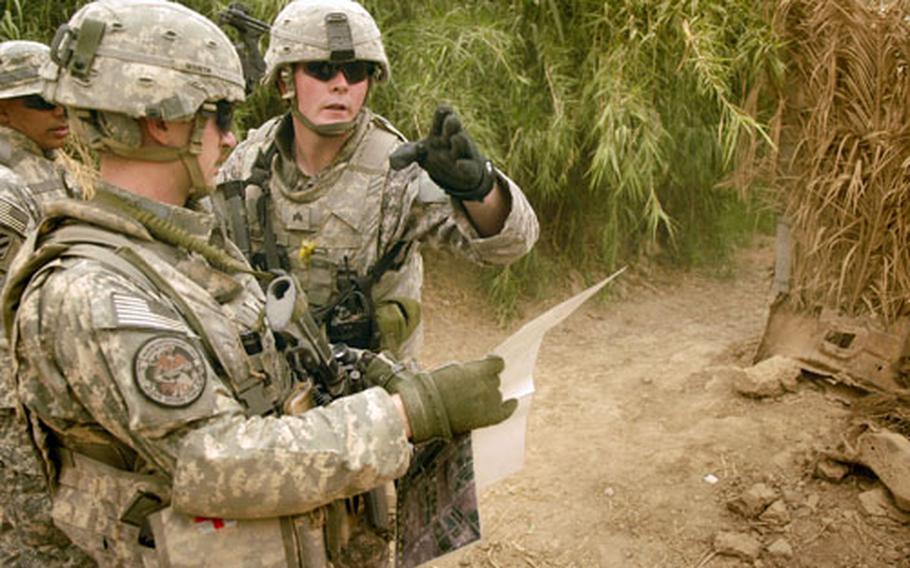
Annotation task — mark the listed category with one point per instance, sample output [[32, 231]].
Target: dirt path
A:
[[629, 419]]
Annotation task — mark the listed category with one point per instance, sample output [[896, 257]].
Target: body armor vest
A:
[[328, 231], [90, 471], [331, 221]]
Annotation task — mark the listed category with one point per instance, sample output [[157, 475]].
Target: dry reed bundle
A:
[[844, 186]]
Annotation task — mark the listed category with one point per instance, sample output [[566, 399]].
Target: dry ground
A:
[[629, 419]]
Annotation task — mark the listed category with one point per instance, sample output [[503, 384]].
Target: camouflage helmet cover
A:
[[324, 30], [20, 65], [142, 58]]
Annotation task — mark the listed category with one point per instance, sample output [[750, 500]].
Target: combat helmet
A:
[[20, 64], [323, 30], [116, 61]]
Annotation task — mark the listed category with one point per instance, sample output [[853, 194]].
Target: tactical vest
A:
[[101, 505], [332, 223], [328, 232]]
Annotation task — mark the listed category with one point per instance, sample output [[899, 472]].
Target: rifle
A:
[[250, 30], [337, 371]]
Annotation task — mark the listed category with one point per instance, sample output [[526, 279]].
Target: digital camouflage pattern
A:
[[97, 316], [299, 34], [130, 366], [20, 66], [29, 177], [119, 60], [18, 211], [28, 536], [153, 59], [358, 208]]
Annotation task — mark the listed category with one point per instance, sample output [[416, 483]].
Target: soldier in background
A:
[[151, 381], [31, 132], [312, 191]]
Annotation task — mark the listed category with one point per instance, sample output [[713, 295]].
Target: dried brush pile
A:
[[845, 184]]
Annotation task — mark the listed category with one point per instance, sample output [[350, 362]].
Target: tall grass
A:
[[623, 120], [846, 179]]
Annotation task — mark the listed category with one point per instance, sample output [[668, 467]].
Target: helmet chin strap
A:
[[330, 130], [190, 154], [187, 154]]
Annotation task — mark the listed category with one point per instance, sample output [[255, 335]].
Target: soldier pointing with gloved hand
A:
[[312, 191], [152, 384]]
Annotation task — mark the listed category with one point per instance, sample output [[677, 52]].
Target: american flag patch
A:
[[136, 312], [13, 216]]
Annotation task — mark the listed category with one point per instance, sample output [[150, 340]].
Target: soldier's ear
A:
[[162, 132], [285, 81]]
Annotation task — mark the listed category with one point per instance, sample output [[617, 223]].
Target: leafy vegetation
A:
[[624, 120]]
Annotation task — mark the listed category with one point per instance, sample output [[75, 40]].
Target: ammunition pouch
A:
[[183, 541], [103, 509], [396, 320], [123, 519]]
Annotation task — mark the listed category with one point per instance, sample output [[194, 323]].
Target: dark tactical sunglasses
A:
[[223, 112], [354, 71], [37, 102]]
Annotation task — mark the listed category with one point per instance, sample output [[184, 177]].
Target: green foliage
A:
[[621, 119]]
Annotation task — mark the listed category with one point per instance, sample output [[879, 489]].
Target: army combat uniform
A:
[[28, 536], [162, 405], [141, 393], [149, 382], [355, 213], [358, 219], [29, 177]]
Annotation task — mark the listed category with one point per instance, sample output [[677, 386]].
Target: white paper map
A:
[[499, 450]]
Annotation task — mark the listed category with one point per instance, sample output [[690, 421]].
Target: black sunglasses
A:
[[354, 71], [37, 102], [223, 112]]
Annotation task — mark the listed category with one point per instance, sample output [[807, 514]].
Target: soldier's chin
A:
[[334, 116]]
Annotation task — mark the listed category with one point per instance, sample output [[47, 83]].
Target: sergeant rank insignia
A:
[[169, 371]]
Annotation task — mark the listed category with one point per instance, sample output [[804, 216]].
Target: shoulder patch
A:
[[13, 216], [133, 311], [9, 244], [169, 371]]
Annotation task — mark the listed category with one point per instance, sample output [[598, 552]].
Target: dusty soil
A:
[[630, 417]]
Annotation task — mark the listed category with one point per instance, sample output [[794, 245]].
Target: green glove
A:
[[453, 399]]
